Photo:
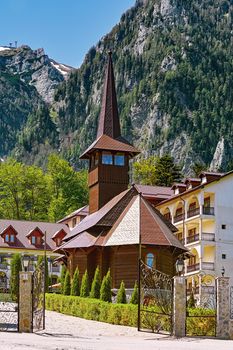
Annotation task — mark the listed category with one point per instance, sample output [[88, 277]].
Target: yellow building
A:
[[202, 210]]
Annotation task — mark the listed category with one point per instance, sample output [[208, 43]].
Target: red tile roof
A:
[[23, 228]]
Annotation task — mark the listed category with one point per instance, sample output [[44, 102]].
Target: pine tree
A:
[[62, 278], [121, 295], [67, 284], [16, 267], [134, 296], [105, 290], [85, 290], [40, 262], [96, 284], [191, 301], [75, 287]]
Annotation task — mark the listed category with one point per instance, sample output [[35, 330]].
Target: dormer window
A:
[[107, 158], [119, 159], [58, 237], [35, 236], [9, 235]]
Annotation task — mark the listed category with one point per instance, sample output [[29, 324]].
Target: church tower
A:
[[110, 153]]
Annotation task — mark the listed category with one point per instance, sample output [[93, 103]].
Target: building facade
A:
[[201, 209]]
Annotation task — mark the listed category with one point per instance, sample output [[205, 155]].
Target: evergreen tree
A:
[[96, 284], [106, 288], [16, 267], [85, 290], [67, 284], [121, 295], [134, 296], [75, 287], [191, 301], [40, 262], [62, 278]]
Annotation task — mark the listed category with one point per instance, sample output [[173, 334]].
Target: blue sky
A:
[[66, 29]]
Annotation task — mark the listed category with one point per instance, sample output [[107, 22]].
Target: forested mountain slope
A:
[[174, 75]]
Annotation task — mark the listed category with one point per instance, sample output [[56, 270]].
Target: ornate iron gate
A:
[[9, 301], [38, 299], [201, 312], [155, 300]]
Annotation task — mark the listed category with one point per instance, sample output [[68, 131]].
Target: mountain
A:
[[174, 75], [28, 79]]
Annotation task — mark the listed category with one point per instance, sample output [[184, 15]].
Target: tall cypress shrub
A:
[[134, 296], [121, 295], [85, 289], [106, 286], [16, 267], [75, 287], [40, 261], [96, 284], [62, 278], [67, 284]]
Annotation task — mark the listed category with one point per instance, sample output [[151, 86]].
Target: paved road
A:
[[71, 333]]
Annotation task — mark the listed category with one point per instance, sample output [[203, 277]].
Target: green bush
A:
[[93, 309], [105, 290], [66, 289], [85, 290], [75, 288], [121, 295], [95, 286], [62, 278], [199, 324], [134, 296], [16, 267], [40, 261]]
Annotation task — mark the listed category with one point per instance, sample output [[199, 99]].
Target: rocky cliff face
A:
[[173, 67]]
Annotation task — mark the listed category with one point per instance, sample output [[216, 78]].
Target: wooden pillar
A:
[[25, 302]]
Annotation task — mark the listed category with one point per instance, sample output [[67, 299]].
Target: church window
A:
[[119, 159], [107, 158], [150, 260]]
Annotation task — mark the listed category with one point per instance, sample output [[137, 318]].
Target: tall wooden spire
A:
[[109, 123]]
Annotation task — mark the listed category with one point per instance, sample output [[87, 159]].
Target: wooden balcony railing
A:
[[208, 210], [193, 212], [208, 236], [179, 217], [207, 266], [194, 267], [193, 238], [195, 290]]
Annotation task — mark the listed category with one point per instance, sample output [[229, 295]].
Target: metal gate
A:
[[9, 301], [155, 300], [38, 299], [201, 309]]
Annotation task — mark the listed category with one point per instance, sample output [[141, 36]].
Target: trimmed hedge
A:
[[127, 314], [93, 309]]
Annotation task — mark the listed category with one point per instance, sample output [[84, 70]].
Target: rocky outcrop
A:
[[35, 68], [219, 158]]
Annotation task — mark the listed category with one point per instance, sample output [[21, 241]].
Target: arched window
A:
[[150, 259]]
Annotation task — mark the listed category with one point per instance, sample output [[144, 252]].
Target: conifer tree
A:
[[121, 295], [105, 290], [134, 296], [75, 287], [62, 278], [16, 267], [191, 301], [85, 290], [96, 284], [40, 261], [67, 284]]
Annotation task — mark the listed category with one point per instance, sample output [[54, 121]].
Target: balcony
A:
[[3, 267], [207, 289], [179, 217], [193, 212], [55, 268], [195, 290], [208, 210], [208, 236], [191, 268], [193, 238], [207, 266]]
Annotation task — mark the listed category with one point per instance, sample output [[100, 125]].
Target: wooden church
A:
[[122, 224]]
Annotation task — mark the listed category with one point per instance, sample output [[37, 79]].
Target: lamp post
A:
[[26, 260], [179, 266]]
